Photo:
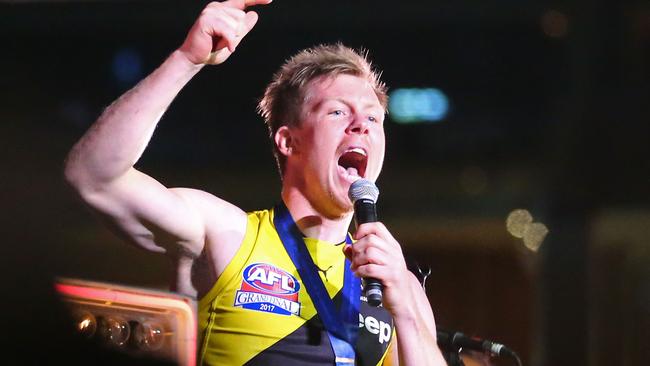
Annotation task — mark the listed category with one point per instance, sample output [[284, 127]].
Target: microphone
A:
[[364, 193], [455, 341]]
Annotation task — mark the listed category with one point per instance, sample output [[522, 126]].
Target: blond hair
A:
[[283, 98]]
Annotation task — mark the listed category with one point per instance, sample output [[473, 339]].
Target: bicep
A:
[[147, 213]]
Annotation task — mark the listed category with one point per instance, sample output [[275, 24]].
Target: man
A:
[[325, 110]]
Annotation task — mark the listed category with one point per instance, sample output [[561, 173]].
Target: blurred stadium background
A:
[[544, 108]]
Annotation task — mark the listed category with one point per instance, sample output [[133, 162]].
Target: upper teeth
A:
[[357, 150]]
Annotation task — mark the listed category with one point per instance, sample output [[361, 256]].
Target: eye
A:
[[375, 119], [337, 112]]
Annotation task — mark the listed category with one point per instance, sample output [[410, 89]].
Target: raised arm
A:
[[100, 166]]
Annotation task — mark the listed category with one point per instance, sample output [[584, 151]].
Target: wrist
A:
[[179, 57]]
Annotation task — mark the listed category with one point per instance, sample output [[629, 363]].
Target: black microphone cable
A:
[[457, 341]]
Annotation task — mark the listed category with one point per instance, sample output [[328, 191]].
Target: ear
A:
[[284, 141]]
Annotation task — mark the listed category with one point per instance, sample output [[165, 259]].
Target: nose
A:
[[359, 125]]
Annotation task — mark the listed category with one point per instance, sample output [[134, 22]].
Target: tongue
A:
[[353, 171]]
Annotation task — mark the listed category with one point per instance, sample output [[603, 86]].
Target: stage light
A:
[[133, 320], [86, 324], [517, 222], [520, 225], [555, 24], [149, 335], [534, 235], [114, 330], [127, 66], [418, 105]]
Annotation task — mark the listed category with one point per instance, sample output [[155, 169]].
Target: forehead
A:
[[342, 87]]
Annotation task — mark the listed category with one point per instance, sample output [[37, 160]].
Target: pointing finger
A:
[[243, 4], [257, 2]]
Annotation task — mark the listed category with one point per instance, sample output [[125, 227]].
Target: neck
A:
[[311, 222]]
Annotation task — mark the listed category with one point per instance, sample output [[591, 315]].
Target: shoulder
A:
[[223, 222], [208, 204]]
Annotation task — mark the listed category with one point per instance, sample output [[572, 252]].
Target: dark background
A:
[[549, 113]]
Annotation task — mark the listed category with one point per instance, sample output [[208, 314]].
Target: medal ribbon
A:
[[342, 327]]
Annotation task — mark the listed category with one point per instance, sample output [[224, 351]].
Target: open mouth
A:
[[354, 162]]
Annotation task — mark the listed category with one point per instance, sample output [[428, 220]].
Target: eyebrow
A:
[[365, 106]]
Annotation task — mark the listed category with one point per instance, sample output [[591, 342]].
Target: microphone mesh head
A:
[[363, 189]]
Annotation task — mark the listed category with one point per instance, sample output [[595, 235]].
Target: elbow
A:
[[77, 177], [71, 175], [74, 174], [90, 177]]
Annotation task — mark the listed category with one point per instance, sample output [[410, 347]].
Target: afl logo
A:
[[270, 279]]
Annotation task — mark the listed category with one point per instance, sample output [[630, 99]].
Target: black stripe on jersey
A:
[[310, 345]]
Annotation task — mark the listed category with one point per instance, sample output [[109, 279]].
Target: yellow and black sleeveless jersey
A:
[[259, 312]]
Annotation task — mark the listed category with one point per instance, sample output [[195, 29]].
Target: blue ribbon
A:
[[342, 327]]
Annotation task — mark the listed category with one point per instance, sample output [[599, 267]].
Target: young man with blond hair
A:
[[325, 110]]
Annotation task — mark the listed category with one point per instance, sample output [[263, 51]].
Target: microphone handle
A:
[[365, 211]]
